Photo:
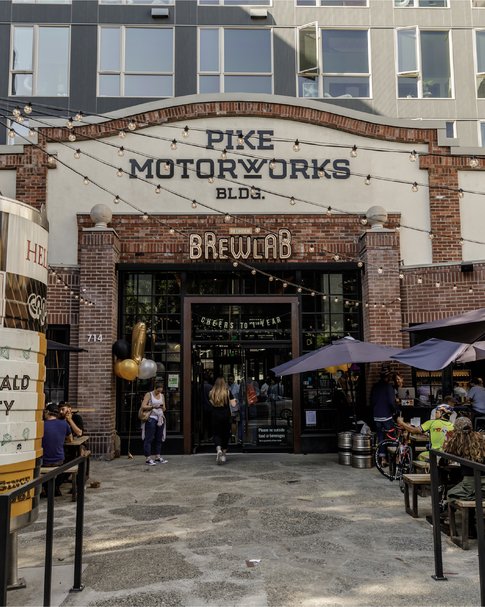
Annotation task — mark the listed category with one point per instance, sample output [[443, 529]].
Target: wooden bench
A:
[[420, 466], [464, 506], [72, 471], [414, 481]]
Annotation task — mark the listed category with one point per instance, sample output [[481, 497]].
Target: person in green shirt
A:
[[437, 429]]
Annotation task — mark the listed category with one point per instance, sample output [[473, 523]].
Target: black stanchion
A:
[[49, 538], [78, 549], [480, 532], [435, 504], [5, 507]]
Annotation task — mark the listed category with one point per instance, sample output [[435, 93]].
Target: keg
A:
[[362, 451], [23, 345], [344, 443]]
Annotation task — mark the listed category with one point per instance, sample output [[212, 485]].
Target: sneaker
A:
[[223, 459], [150, 462], [160, 460], [219, 457]]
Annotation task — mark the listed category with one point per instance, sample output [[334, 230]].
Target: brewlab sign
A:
[[210, 246], [240, 167]]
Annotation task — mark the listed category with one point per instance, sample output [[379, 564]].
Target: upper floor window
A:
[[331, 2], [165, 2], [423, 64], [40, 61], [235, 60], [478, 3], [126, 69], [480, 54], [336, 66], [421, 3], [482, 134], [235, 2]]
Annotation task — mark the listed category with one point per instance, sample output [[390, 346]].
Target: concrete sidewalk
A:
[[184, 533]]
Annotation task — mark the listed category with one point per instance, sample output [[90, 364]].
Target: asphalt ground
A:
[[263, 530]]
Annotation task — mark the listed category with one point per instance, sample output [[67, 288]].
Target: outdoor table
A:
[[417, 440]]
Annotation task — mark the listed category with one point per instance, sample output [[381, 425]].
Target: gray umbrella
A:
[[434, 354], [464, 328], [59, 347], [339, 352]]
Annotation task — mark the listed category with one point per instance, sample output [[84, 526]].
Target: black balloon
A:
[[121, 349]]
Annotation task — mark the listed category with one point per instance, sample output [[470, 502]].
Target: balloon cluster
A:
[[131, 365]]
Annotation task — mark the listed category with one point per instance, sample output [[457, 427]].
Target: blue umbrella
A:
[[340, 352], [434, 354]]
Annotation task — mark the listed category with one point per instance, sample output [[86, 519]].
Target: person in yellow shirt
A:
[[437, 429]]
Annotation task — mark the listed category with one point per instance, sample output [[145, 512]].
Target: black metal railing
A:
[[6, 500], [435, 503]]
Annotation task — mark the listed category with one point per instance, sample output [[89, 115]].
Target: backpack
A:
[[251, 394]]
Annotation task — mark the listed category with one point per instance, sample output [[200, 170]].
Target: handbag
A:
[[143, 414]]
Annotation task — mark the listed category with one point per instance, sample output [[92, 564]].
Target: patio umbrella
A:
[[434, 354], [463, 328], [340, 352]]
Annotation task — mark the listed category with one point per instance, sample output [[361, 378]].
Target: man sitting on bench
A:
[[56, 433]]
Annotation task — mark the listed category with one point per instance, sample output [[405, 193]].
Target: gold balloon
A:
[[128, 369], [138, 339], [116, 367]]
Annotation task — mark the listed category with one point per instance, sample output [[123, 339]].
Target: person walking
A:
[[383, 402], [154, 430], [221, 400]]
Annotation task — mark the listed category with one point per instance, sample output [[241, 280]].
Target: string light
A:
[[28, 108], [367, 180], [185, 132], [240, 138], [11, 133], [455, 288], [360, 263], [461, 193], [299, 290], [437, 284], [121, 151], [321, 173], [71, 137], [296, 146], [329, 211], [253, 272], [77, 154], [171, 231], [144, 217], [132, 125], [16, 111], [69, 124], [117, 199], [211, 179], [292, 201], [474, 162], [363, 221], [235, 264], [227, 218], [19, 119], [413, 156], [401, 276], [166, 166], [270, 278], [224, 154], [79, 116], [31, 132], [380, 270], [194, 204], [431, 235], [257, 229], [122, 134], [86, 180], [119, 172], [272, 164], [311, 248], [353, 152], [470, 290], [173, 145], [158, 189], [414, 187], [420, 280]]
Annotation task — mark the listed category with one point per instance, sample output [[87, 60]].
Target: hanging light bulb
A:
[[353, 152], [211, 179], [253, 272], [299, 290], [116, 199], [296, 146], [367, 180], [158, 189], [253, 191], [16, 112], [240, 138], [121, 151], [336, 300], [171, 231], [224, 154], [285, 285], [79, 116], [420, 280], [455, 288], [324, 298], [398, 227], [329, 211], [470, 290], [173, 144], [194, 204], [414, 187], [185, 132], [235, 264], [28, 108], [119, 172], [71, 137], [144, 217], [474, 162], [380, 270], [122, 134], [257, 229], [321, 173], [430, 235], [51, 160], [311, 248], [363, 221], [437, 284], [69, 123], [336, 257], [270, 278], [227, 218], [131, 125], [360, 263], [461, 193], [19, 119], [86, 180], [401, 276], [413, 156], [292, 201], [77, 154], [272, 164], [11, 133], [31, 132], [462, 241]]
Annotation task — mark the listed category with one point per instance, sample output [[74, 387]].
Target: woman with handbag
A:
[[221, 400], [153, 427]]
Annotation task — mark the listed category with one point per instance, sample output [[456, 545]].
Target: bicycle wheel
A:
[[403, 467], [389, 471]]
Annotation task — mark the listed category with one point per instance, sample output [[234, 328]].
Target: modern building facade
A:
[[249, 180]]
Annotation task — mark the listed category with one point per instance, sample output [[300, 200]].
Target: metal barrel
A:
[[362, 451], [344, 443], [23, 346]]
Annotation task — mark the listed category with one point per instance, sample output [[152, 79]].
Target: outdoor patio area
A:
[[263, 530]]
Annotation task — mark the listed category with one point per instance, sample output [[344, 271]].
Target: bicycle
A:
[[398, 453]]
